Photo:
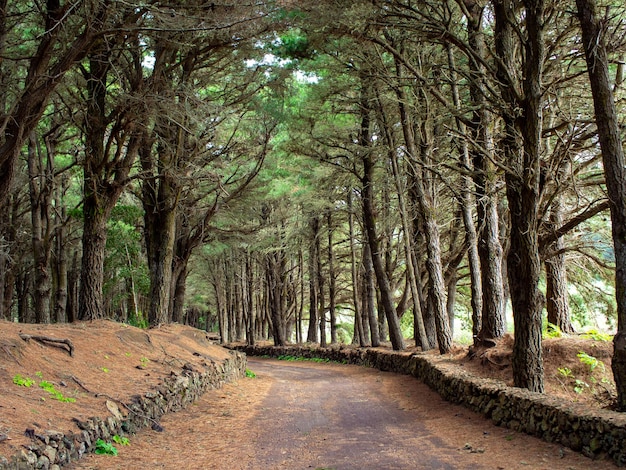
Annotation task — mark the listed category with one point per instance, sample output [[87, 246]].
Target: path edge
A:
[[597, 434], [53, 450]]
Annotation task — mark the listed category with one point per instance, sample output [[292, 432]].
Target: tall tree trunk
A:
[[484, 175], [419, 330], [436, 284], [160, 223], [302, 289], [40, 181], [90, 297], [556, 277], [249, 287], [180, 273], [61, 268], [109, 157], [312, 335], [320, 285], [521, 145], [4, 273], [331, 280], [275, 280], [230, 301], [9, 214], [466, 201], [23, 287], [427, 212], [239, 281], [594, 42], [73, 290], [370, 319], [457, 253], [358, 336], [217, 281], [395, 333], [369, 222]]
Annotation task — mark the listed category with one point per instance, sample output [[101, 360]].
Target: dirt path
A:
[[300, 415]]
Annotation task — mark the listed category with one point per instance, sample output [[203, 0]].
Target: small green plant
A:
[[590, 361], [105, 448], [566, 372], [552, 331], [144, 361], [138, 320], [250, 374], [121, 440], [22, 381], [127, 354], [580, 386], [588, 382], [39, 374], [104, 369], [596, 335], [54, 393]]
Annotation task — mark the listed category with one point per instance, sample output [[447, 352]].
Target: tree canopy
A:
[[381, 171]]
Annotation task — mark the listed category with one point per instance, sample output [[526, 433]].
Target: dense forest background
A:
[[363, 171]]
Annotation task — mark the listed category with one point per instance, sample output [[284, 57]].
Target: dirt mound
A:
[[52, 374], [576, 368]]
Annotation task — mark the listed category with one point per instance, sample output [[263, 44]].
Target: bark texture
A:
[[521, 147], [594, 42]]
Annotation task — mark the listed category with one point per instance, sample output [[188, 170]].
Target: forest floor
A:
[[116, 361], [576, 368]]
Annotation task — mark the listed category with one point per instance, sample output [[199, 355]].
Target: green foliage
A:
[[287, 357], [588, 382], [124, 265], [566, 372], [22, 381], [121, 440], [105, 448], [250, 374], [138, 320], [590, 361], [591, 287], [54, 393], [596, 335], [580, 386], [552, 331], [406, 324], [293, 44], [345, 332], [283, 14]]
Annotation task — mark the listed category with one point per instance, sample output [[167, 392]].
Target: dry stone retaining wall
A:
[[595, 433], [54, 449]]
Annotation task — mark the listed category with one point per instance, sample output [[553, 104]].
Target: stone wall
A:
[[598, 434], [53, 449]]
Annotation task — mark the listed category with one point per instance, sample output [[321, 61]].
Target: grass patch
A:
[[288, 357]]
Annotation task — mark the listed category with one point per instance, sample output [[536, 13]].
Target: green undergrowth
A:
[[107, 448], [288, 357], [591, 381], [22, 381]]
